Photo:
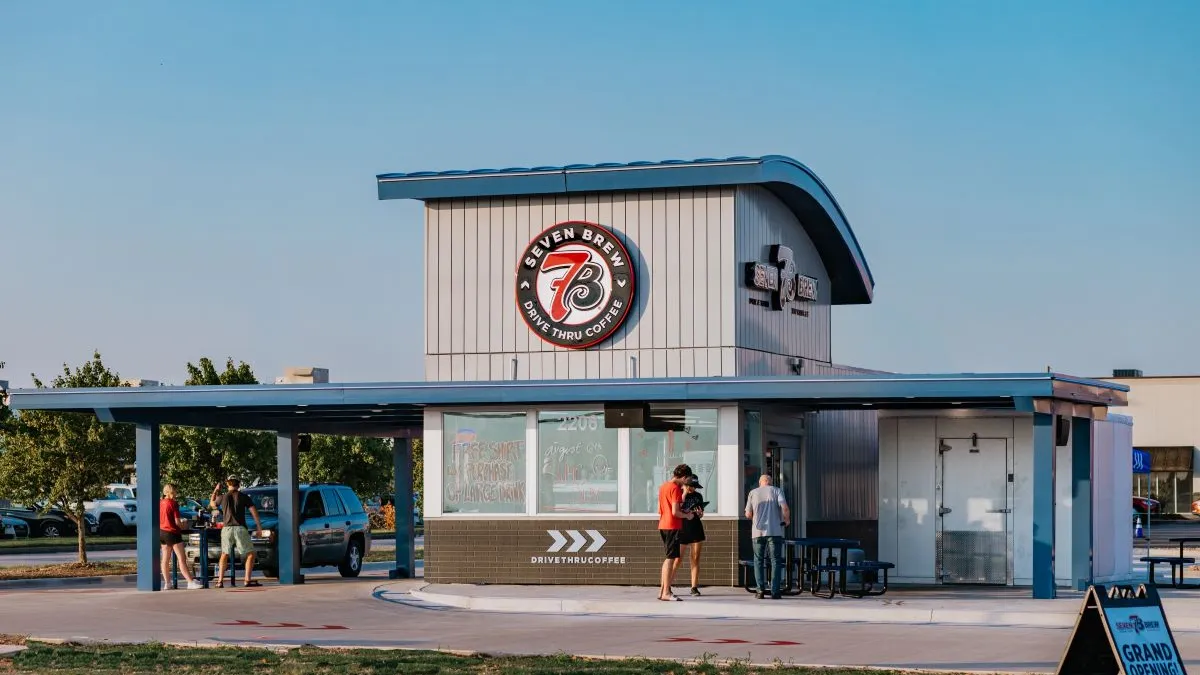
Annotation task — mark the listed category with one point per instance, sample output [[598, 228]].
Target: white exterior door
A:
[[973, 523]]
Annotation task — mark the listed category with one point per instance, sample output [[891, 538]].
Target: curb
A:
[[892, 614], [39, 550], [112, 580]]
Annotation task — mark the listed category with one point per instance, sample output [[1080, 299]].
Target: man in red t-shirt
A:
[[670, 522]]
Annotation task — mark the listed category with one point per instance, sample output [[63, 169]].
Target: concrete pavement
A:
[[372, 612], [16, 558]]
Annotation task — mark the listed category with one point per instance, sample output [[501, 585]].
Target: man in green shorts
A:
[[235, 536]]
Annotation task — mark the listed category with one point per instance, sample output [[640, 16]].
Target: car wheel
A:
[[271, 572], [110, 527], [352, 563], [53, 528]]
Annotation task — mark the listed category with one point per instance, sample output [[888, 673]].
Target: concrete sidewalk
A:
[[953, 607]]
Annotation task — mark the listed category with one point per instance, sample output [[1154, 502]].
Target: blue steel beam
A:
[[148, 491], [798, 390], [1082, 508], [287, 450], [406, 555], [1043, 506]]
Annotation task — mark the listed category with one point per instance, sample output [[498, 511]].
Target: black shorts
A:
[[692, 532], [670, 540], [169, 538]]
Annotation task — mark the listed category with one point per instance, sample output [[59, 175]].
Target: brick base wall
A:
[[514, 551]]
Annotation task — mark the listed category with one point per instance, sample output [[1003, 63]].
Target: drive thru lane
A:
[[334, 612]]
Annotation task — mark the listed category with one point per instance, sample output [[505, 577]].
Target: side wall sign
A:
[[779, 276], [575, 284]]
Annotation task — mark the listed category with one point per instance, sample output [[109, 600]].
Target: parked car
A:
[[334, 530], [42, 522], [1144, 505], [13, 528], [116, 514]]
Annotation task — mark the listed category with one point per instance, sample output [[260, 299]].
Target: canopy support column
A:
[[287, 532], [1082, 510], [406, 553], [1043, 506], [148, 490]]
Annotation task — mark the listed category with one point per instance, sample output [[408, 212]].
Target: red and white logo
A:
[[575, 284]]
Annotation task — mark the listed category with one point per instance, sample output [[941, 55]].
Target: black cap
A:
[[692, 481]]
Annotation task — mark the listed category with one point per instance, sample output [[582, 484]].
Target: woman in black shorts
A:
[[692, 534], [170, 535]]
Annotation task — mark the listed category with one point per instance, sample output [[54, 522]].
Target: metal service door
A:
[[973, 518]]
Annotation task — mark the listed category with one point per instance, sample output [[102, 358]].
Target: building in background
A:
[[1166, 414]]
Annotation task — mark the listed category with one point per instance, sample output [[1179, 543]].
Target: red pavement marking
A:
[[244, 622], [680, 639], [778, 643], [727, 641]]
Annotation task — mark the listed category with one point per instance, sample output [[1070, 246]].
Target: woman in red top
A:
[[170, 535]]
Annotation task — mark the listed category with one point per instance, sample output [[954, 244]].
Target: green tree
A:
[[418, 468], [364, 464], [193, 459], [65, 459]]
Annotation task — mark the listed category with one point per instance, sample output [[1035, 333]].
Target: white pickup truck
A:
[[116, 514]]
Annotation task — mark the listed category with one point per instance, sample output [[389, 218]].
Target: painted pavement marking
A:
[[733, 641]]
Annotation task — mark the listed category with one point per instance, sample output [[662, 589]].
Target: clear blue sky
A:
[[188, 179]]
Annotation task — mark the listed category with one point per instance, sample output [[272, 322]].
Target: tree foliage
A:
[[418, 468], [364, 464], [193, 459], [65, 459]]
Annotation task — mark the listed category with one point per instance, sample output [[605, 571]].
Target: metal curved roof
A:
[[793, 183]]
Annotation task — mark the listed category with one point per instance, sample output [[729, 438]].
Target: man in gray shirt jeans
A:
[[768, 511]]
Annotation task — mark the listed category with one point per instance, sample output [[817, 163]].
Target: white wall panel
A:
[[681, 243]]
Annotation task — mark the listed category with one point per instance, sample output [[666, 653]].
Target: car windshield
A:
[[264, 500]]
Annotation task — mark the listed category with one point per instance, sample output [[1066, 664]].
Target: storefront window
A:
[[577, 457], [687, 437], [483, 462]]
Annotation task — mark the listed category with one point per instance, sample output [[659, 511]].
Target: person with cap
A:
[[691, 534], [235, 535], [670, 522]]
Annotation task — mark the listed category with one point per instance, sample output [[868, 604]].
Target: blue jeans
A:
[[768, 547]]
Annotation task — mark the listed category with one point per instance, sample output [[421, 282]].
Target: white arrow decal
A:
[[578, 539], [525, 284], [598, 541], [621, 283], [559, 541]]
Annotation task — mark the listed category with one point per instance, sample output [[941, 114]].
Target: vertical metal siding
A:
[[682, 323], [842, 461], [760, 222]]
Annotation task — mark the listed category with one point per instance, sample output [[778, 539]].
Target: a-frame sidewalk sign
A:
[[1121, 630]]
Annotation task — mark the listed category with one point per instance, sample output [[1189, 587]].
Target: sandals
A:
[[251, 584]]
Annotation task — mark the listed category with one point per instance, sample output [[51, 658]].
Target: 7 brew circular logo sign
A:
[[575, 284]]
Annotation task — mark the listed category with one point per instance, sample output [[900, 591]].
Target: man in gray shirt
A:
[[768, 511]]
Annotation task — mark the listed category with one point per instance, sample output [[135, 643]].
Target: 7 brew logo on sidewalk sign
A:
[[575, 284]]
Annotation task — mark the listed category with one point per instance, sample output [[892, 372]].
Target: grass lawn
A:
[[95, 569], [15, 545], [389, 555], [131, 659]]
